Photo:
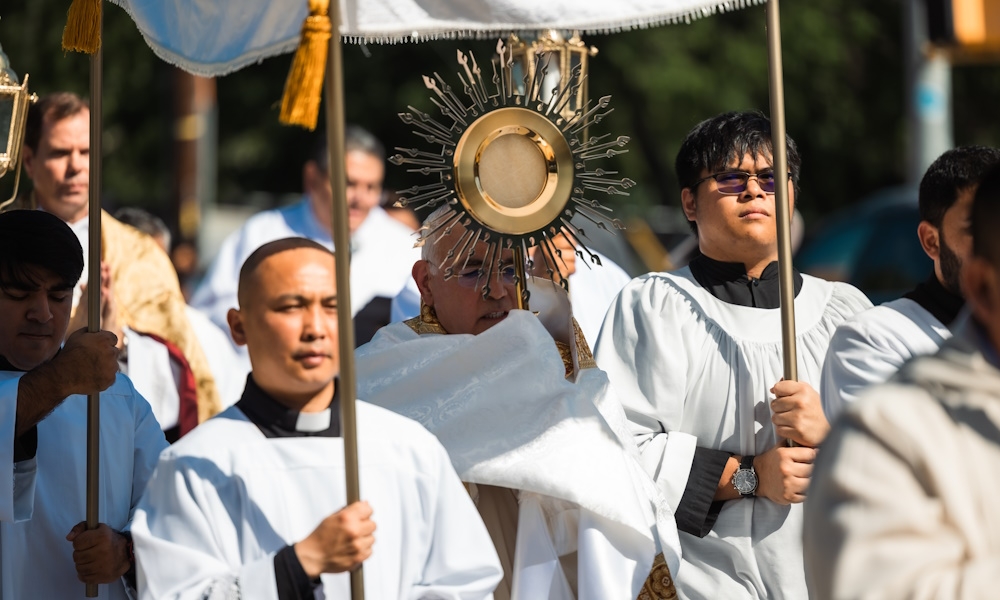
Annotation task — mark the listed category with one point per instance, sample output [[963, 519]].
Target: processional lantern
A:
[[513, 163], [14, 100]]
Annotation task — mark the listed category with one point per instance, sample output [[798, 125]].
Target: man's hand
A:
[[565, 263], [88, 362], [340, 543], [797, 413], [783, 473], [101, 555]]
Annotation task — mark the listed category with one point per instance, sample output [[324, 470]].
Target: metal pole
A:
[[342, 243], [94, 291], [521, 287], [928, 95], [786, 283]]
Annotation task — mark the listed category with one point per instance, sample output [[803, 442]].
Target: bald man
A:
[[251, 503]]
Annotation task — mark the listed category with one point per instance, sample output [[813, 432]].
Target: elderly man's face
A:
[[459, 301], [35, 317], [364, 174], [60, 167]]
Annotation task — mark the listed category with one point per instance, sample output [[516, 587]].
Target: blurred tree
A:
[[843, 86]]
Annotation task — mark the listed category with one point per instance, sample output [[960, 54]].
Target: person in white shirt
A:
[[903, 498], [870, 347], [47, 553], [251, 503], [696, 357], [381, 247]]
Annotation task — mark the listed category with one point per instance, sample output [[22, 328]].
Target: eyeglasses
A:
[[472, 276], [735, 182]]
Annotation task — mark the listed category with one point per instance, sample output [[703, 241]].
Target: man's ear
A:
[[930, 239], [688, 203], [421, 276], [311, 173], [235, 320], [28, 160]]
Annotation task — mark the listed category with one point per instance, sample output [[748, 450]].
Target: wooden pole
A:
[[94, 292], [786, 282], [342, 243]]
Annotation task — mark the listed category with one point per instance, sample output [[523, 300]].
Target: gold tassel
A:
[[303, 89], [83, 26]]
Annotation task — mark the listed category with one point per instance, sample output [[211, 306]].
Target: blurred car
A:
[[872, 245]]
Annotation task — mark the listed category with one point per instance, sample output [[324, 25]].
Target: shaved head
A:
[[248, 283]]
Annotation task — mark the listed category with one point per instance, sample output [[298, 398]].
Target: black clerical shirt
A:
[[933, 297], [697, 510], [276, 420]]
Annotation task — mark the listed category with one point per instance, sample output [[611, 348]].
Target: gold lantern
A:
[[14, 100], [563, 61]]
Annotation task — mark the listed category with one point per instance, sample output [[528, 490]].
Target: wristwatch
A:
[[745, 478]]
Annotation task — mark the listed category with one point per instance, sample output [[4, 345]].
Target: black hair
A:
[[268, 250], [985, 217], [716, 143], [144, 221], [356, 139], [34, 239], [952, 173]]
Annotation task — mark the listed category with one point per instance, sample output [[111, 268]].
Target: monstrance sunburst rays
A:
[[510, 168]]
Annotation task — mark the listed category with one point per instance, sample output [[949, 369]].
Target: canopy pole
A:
[[785, 276], [94, 289], [342, 243]]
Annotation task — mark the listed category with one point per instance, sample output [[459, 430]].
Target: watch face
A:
[[745, 481]]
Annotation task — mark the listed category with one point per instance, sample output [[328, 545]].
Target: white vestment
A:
[[225, 499], [382, 255], [500, 404], [870, 347], [902, 503], [592, 289], [37, 561], [693, 370]]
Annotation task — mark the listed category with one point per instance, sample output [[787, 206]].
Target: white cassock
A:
[[382, 255], [903, 497], [869, 349], [693, 370], [501, 406], [592, 289], [225, 499], [37, 560]]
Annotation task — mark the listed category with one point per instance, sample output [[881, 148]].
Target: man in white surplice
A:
[[381, 247], [43, 394], [695, 355], [870, 347], [569, 509], [251, 503]]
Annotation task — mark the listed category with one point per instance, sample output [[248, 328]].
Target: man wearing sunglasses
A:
[[696, 356], [532, 432]]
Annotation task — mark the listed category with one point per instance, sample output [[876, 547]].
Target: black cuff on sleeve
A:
[[697, 512], [26, 446], [293, 582]]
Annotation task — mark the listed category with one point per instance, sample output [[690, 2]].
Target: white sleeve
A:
[[17, 480], [641, 349], [187, 538], [149, 443], [883, 520], [859, 356], [462, 563]]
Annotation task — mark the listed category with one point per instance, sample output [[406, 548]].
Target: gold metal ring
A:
[[513, 171]]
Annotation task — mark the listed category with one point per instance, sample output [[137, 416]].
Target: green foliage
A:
[[844, 98]]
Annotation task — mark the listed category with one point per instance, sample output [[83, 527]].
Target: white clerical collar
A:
[[312, 422]]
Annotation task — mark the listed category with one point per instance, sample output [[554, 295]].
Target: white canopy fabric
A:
[[216, 37]]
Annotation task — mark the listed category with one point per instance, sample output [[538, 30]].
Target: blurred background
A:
[[873, 92]]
